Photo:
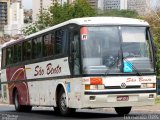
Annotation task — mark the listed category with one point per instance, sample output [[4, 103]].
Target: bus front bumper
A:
[[118, 100]]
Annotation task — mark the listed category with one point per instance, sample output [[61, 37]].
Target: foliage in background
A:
[[154, 20], [120, 13], [57, 14], [157, 100]]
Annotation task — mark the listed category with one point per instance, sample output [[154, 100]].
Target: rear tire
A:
[[18, 107], [62, 104], [123, 110], [56, 110]]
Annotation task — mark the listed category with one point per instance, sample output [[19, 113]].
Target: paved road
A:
[[8, 113]]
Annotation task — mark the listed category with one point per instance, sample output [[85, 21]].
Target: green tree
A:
[[153, 19], [30, 29], [120, 13], [59, 13]]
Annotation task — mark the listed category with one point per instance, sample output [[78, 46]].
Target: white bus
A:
[[93, 62]]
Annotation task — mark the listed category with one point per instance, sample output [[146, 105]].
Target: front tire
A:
[[62, 104], [123, 110], [18, 107]]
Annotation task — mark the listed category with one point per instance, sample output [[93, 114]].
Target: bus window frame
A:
[[72, 28], [152, 49]]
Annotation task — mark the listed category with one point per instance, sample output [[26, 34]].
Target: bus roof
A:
[[96, 21], [8, 43], [92, 21]]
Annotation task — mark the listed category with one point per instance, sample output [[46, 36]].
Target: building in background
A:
[[39, 5], [93, 3], [111, 4], [115, 4], [27, 16], [141, 6], [4, 11], [15, 21], [15, 1]]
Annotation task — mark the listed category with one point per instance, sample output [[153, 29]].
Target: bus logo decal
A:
[[51, 70], [39, 71], [123, 85]]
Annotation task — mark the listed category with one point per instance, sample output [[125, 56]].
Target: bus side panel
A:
[[18, 74], [74, 91], [4, 87], [34, 92], [3, 76], [45, 86], [5, 93], [43, 93]]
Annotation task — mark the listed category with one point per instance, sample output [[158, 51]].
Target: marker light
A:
[[94, 87], [96, 81], [148, 85]]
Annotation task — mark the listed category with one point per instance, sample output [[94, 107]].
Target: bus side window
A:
[[47, 45], [59, 36], [53, 42], [27, 50], [75, 53], [17, 53], [37, 47], [9, 56]]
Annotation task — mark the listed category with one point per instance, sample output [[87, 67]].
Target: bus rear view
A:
[[118, 62]]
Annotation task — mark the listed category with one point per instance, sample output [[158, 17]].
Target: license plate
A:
[[122, 98]]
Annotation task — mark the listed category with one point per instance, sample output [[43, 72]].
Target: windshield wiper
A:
[[128, 62]]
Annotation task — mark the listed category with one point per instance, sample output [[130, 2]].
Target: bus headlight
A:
[[148, 85], [94, 87]]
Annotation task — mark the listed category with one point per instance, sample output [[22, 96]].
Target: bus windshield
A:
[[116, 49]]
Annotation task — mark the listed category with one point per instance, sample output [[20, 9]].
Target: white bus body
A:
[[73, 77]]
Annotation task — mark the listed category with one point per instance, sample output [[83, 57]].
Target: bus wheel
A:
[[123, 110], [62, 104], [16, 102], [56, 109], [18, 107], [27, 108]]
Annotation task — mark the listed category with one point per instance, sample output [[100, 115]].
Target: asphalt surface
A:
[[8, 113]]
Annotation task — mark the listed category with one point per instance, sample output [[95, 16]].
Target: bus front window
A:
[[136, 48], [100, 49], [106, 49]]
